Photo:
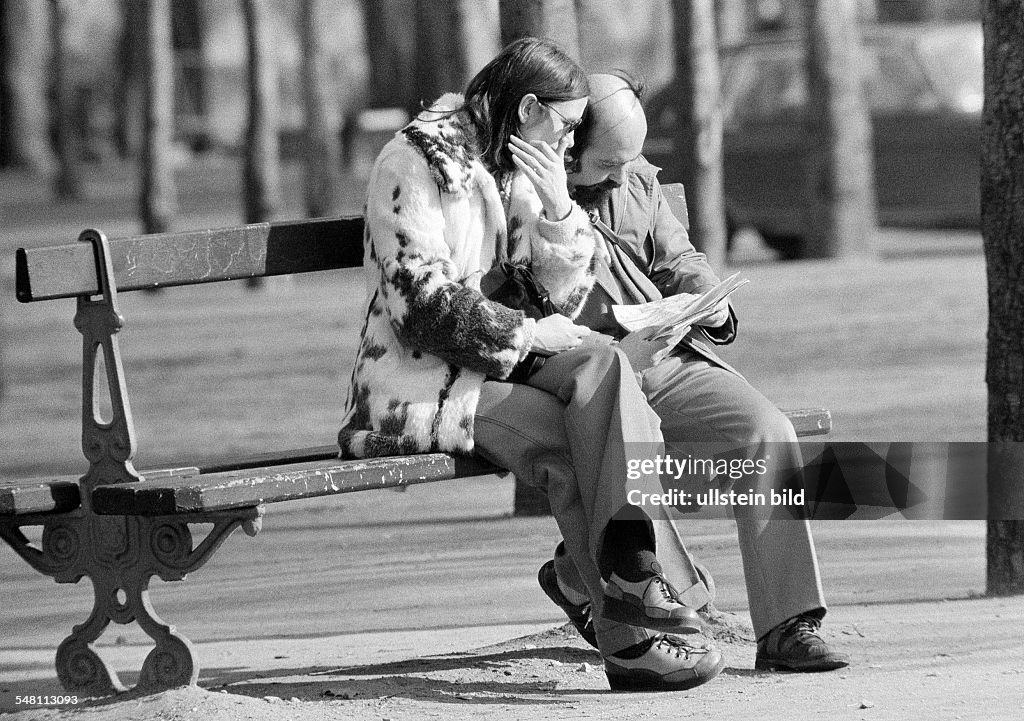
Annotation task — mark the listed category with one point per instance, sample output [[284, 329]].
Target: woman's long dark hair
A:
[[527, 65]]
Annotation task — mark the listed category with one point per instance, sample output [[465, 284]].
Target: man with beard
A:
[[706, 407]]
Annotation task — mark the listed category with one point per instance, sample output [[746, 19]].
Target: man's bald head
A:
[[611, 137], [615, 107]]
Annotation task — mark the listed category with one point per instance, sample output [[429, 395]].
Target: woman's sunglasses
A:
[[568, 125]]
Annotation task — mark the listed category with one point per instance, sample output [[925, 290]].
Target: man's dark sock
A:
[[628, 551]]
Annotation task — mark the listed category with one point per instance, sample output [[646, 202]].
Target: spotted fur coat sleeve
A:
[[562, 253], [430, 305]]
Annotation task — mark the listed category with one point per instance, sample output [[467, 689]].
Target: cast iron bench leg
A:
[[120, 555]]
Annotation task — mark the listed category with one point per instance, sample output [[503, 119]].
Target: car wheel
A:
[[789, 247]]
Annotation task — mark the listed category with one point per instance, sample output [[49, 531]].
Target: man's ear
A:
[[571, 161], [526, 103]]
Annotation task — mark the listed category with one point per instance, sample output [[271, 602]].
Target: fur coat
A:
[[435, 223]]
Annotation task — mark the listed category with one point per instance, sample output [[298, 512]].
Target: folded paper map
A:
[[674, 315]]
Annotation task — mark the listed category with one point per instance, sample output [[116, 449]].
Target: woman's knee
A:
[[770, 425], [592, 364], [753, 420]]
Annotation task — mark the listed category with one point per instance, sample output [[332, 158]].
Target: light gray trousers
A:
[[698, 404], [572, 431]]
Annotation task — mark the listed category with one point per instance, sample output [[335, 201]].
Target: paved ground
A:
[[283, 636]]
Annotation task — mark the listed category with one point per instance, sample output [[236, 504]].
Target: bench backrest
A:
[[187, 258], [207, 256]]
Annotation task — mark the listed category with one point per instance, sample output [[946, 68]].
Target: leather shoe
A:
[[672, 663], [795, 645], [649, 603], [579, 615]]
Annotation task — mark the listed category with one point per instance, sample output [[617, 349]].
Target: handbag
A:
[[515, 286]]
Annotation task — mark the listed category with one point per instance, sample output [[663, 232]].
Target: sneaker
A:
[[579, 615], [795, 645], [649, 603], [672, 663]]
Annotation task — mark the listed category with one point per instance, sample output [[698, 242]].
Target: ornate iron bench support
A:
[[119, 554]]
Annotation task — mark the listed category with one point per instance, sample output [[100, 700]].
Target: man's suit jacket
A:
[[651, 257]]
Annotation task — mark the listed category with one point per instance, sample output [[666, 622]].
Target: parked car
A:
[[924, 87]]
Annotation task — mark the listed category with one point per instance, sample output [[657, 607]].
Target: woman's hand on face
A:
[[557, 333], [545, 168]]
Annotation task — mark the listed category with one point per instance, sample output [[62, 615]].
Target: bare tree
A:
[[390, 42], [555, 19], [1002, 226], [68, 180], [130, 90], [442, 60], [25, 53], [262, 170], [698, 133], [159, 197], [321, 145], [841, 213]]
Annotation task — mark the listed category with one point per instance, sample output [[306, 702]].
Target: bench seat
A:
[[810, 421], [194, 491], [47, 494], [216, 485]]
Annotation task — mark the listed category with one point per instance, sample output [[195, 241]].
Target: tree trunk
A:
[[442, 64], [698, 137], [159, 197], [841, 215], [391, 44], [262, 174], [130, 93], [555, 19], [25, 53], [454, 39], [67, 184], [322, 145], [191, 106], [1002, 227]]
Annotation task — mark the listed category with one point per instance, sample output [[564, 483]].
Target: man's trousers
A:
[[700, 405]]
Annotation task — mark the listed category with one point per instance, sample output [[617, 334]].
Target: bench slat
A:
[[39, 495], [249, 487], [201, 256], [810, 421]]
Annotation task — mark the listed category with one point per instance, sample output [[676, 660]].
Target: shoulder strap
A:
[[623, 265]]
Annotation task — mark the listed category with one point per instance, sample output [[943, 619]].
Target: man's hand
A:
[[544, 166], [719, 317], [645, 351]]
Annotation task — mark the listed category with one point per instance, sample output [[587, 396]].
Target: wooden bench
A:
[[119, 526]]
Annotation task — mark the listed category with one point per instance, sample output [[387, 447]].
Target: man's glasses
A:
[[568, 125]]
